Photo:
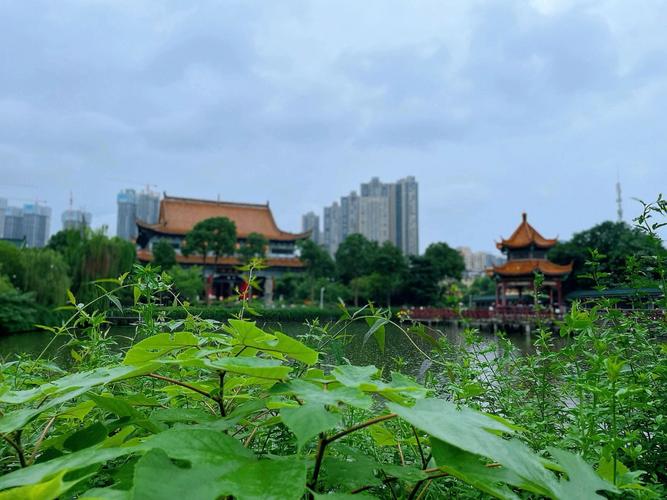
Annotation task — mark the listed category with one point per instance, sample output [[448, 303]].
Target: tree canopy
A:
[[446, 262], [254, 246], [319, 263], [164, 254], [615, 241], [216, 235], [354, 257]]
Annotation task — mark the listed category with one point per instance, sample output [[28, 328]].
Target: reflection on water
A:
[[400, 352]]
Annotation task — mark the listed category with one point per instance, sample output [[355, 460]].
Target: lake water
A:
[[398, 349]]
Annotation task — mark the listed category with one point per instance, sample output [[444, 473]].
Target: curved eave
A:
[[165, 230], [527, 267]]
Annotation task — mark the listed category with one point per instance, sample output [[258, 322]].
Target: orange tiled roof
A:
[[145, 255], [524, 236], [179, 215], [521, 267]]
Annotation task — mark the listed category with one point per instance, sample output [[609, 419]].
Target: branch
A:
[[221, 402], [324, 441], [41, 438], [17, 446], [183, 384]]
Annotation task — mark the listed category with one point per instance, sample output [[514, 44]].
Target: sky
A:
[[495, 107]]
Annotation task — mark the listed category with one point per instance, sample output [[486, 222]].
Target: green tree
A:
[[69, 243], [216, 235], [101, 257], [11, 263], [319, 263], [254, 246], [188, 282], [164, 254], [616, 241], [354, 257], [420, 286], [46, 275], [388, 269], [446, 262]]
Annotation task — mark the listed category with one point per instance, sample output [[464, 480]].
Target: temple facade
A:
[[526, 252], [179, 215]]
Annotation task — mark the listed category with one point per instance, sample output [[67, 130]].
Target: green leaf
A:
[[253, 367], [472, 470], [47, 490], [156, 346], [351, 473], [377, 330], [582, 482], [479, 434], [86, 437], [308, 421], [316, 394], [70, 297], [72, 461]]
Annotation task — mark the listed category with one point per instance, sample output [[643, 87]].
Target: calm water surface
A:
[[398, 349]]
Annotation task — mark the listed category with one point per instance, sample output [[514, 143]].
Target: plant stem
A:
[[41, 438], [183, 384], [324, 441], [16, 444], [221, 402]]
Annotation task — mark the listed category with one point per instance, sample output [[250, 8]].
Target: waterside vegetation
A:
[[213, 409]]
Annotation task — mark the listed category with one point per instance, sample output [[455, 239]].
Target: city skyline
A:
[[381, 212], [497, 108]]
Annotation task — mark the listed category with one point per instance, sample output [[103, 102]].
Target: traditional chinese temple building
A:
[[526, 252], [179, 215]]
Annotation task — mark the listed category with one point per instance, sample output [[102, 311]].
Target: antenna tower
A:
[[619, 201]]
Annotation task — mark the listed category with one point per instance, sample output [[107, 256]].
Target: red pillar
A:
[[559, 287], [497, 294]]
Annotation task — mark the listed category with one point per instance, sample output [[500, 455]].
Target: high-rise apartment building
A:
[[144, 206], [76, 219], [126, 221], [332, 227], [3, 208], [381, 212], [31, 223], [148, 206], [311, 222], [476, 263], [36, 224]]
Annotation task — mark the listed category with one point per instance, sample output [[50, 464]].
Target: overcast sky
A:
[[495, 107]]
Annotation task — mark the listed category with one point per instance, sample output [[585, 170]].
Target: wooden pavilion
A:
[[526, 252]]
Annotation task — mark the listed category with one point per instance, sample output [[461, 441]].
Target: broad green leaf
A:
[[401, 388], [47, 490], [316, 394], [377, 330], [268, 479], [253, 367], [72, 461], [248, 334], [308, 421], [350, 473], [106, 494], [582, 483], [625, 478], [87, 379], [199, 446], [356, 376], [86, 437], [382, 436], [156, 477], [156, 346], [479, 434], [470, 469]]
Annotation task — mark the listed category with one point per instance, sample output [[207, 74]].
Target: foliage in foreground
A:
[[213, 409]]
